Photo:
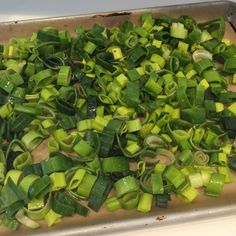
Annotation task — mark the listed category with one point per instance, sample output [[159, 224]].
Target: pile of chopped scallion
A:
[[143, 110]]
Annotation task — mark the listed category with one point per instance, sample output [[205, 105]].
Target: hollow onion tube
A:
[[76, 179], [174, 176], [22, 160], [188, 194], [215, 185], [126, 185], [145, 202], [113, 204]]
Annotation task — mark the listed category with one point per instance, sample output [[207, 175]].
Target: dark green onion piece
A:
[[162, 200], [232, 163], [10, 222], [21, 121], [216, 27], [40, 187], [63, 204], [195, 115], [99, 192], [108, 136], [115, 164], [57, 163], [34, 169], [203, 65], [230, 65], [11, 193]]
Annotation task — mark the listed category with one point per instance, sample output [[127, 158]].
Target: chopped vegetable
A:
[[144, 110]]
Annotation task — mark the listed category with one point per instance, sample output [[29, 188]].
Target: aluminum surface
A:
[[103, 223]]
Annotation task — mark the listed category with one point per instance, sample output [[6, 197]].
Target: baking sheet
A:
[[178, 212]]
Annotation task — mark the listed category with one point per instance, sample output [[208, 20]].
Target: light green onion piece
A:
[[232, 108], [59, 134], [126, 185], [157, 184], [159, 168], [5, 110], [32, 139], [206, 176], [132, 147], [49, 93], [177, 30], [83, 148], [89, 47], [52, 218], [188, 194], [64, 76], [25, 220], [200, 54], [66, 144], [130, 200], [76, 179], [158, 59], [14, 175], [226, 171], [22, 160], [145, 202], [36, 204], [113, 204], [53, 145], [174, 176], [99, 123], [153, 86], [58, 181], [39, 213], [133, 125], [86, 185], [186, 157], [196, 180], [117, 52], [215, 185]]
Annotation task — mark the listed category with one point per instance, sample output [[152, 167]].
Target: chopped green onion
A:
[[146, 110], [215, 185], [177, 30], [145, 202], [26, 221], [126, 185]]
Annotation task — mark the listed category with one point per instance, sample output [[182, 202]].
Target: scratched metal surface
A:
[[104, 222]]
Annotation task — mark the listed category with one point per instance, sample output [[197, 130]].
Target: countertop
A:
[[29, 9]]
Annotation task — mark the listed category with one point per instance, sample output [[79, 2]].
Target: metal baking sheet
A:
[[104, 222]]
